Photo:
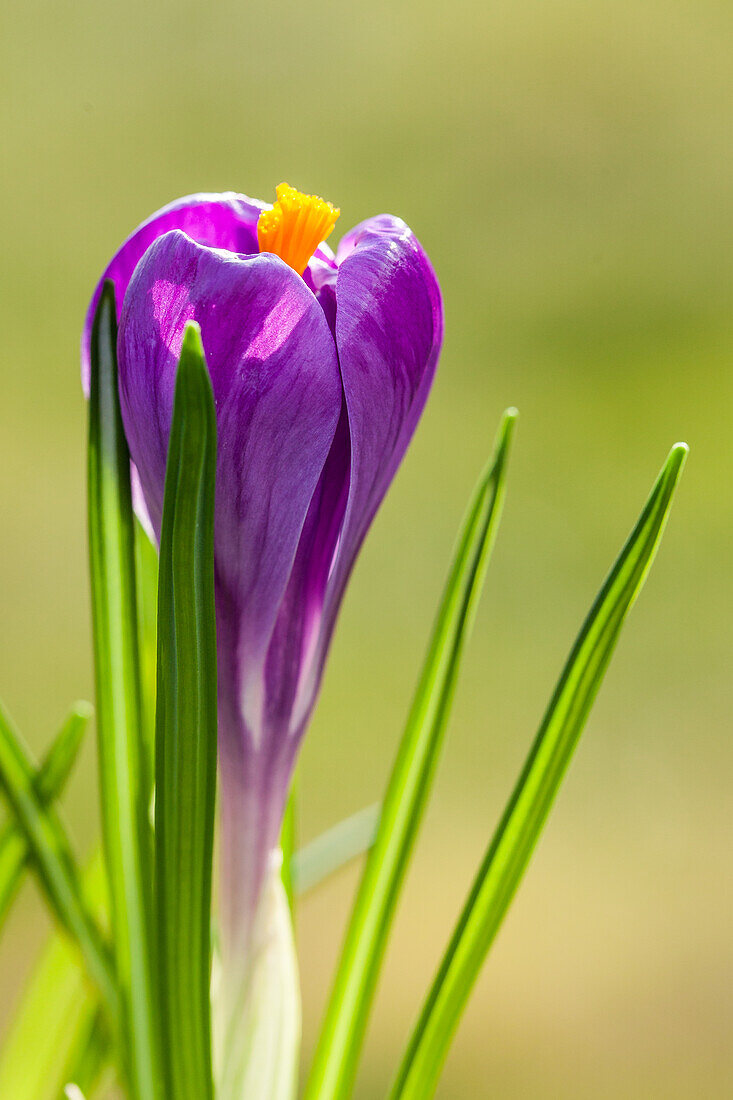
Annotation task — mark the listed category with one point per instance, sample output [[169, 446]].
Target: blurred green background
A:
[[569, 168]]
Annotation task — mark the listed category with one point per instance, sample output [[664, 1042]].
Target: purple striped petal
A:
[[389, 330], [386, 311], [273, 366], [277, 388], [220, 221], [319, 384]]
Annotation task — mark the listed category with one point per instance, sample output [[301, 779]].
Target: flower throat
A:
[[295, 226]]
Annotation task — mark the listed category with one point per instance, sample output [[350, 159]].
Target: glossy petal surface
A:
[[277, 388], [222, 221]]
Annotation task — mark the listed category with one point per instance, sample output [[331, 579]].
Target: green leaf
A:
[[288, 835], [89, 1055], [54, 863], [186, 732], [342, 1035], [44, 1034], [333, 849], [124, 776], [529, 805], [61, 757], [59, 1032], [48, 781], [146, 578]]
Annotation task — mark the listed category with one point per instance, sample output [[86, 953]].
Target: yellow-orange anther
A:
[[295, 226]]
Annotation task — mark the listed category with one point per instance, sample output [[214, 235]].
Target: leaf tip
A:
[[676, 460], [505, 433], [82, 709], [107, 293], [192, 339]]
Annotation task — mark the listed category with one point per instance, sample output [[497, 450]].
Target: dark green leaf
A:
[[124, 775], [146, 578], [186, 732]]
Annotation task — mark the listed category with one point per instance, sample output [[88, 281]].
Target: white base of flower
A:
[[257, 1006]]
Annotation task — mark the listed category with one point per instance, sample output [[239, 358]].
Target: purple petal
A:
[[289, 686], [277, 388], [389, 330], [278, 395], [308, 444], [388, 327], [220, 221]]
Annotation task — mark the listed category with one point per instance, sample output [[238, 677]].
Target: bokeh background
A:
[[569, 168]]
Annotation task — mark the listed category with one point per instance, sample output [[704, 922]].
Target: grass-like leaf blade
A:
[[124, 776], [332, 850], [88, 1065], [335, 1061], [59, 1032], [49, 781], [146, 578], [55, 1012], [54, 862], [288, 840], [186, 732], [529, 805]]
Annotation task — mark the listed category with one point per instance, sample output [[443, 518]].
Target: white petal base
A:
[[257, 1006]]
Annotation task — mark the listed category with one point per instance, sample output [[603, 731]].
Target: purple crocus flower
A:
[[321, 365]]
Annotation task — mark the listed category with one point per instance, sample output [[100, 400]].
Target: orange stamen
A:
[[295, 226]]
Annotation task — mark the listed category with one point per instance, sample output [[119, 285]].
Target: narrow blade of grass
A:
[[48, 782], [124, 777], [54, 1012], [342, 1035], [59, 1031], [186, 733], [333, 849], [88, 1063], [54, 862], [529, 805], [146, 579]]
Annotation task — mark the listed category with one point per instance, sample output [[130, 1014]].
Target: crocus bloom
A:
[[321, 365]]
